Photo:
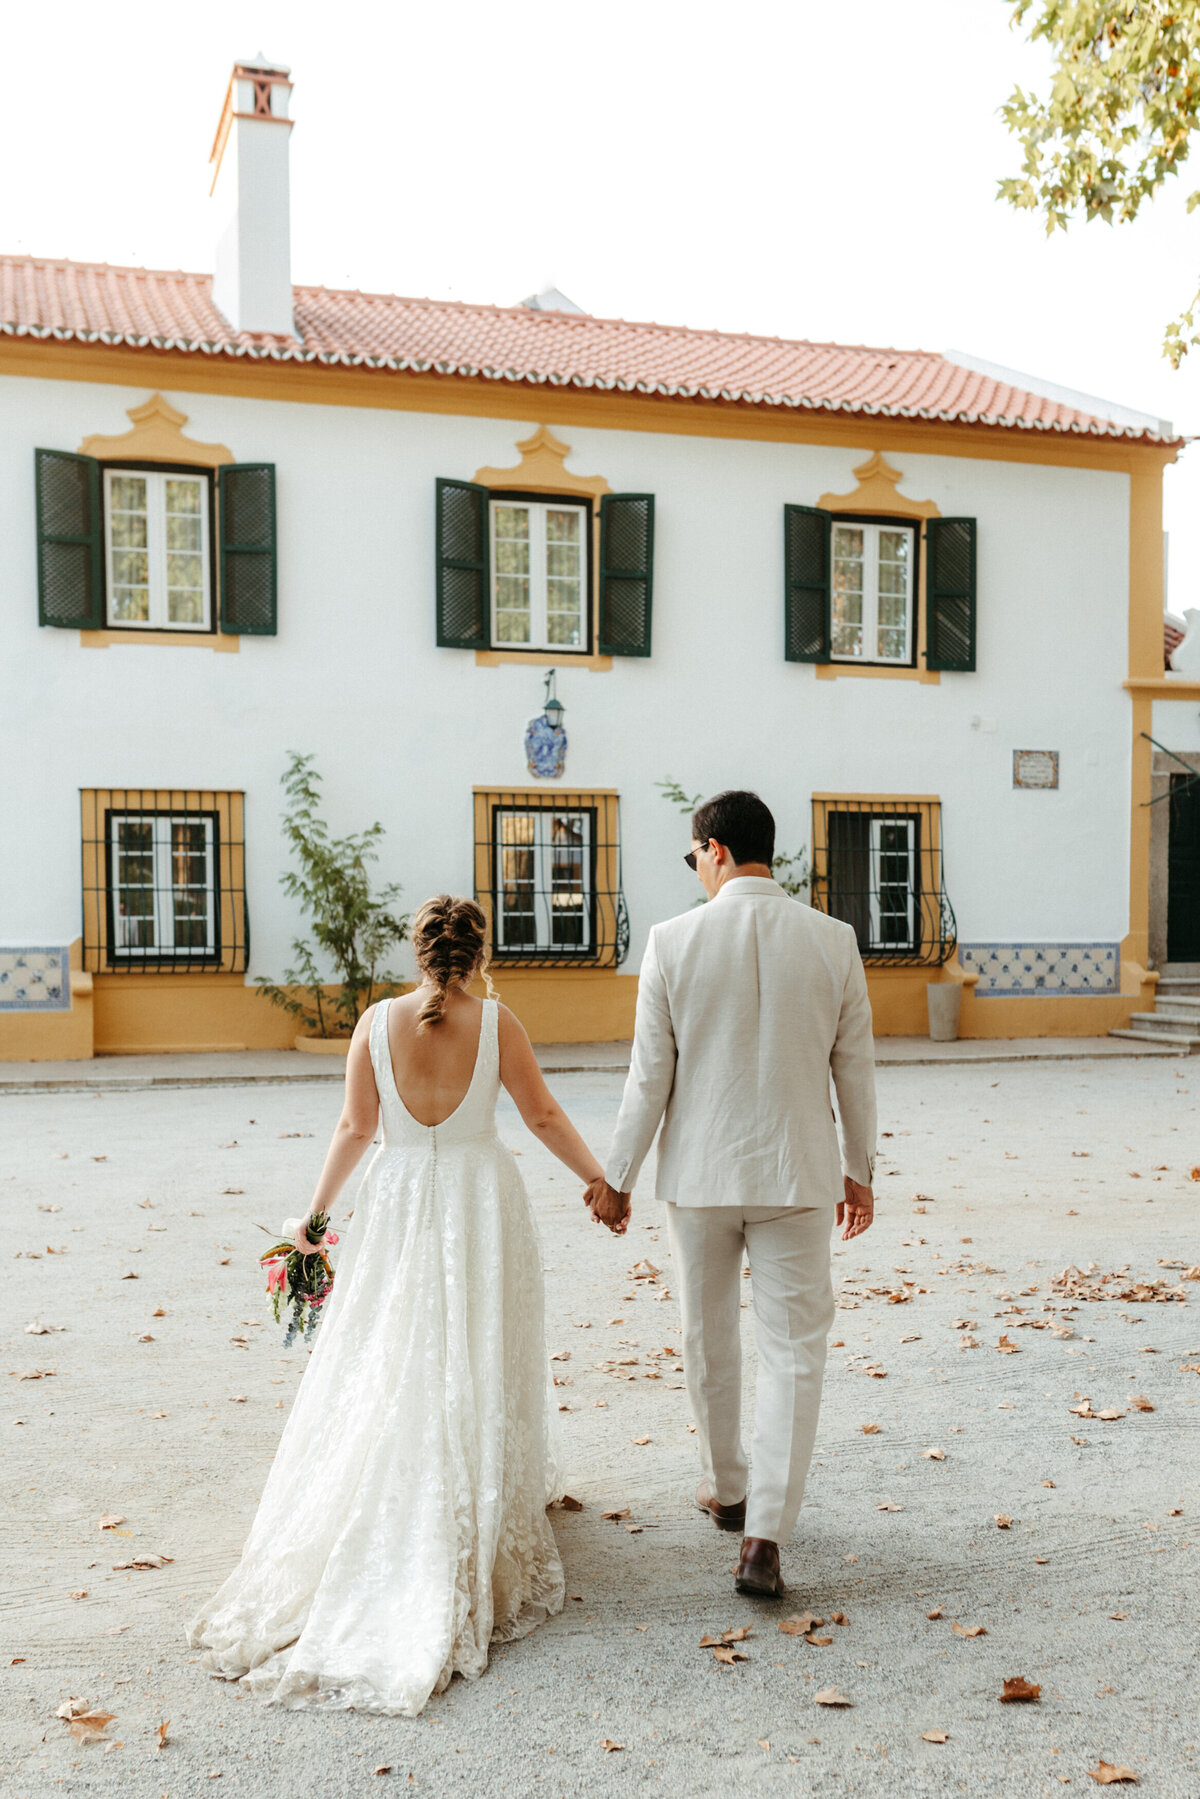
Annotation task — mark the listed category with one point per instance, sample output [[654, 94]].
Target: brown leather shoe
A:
[[757, 1572], [725, 1517]]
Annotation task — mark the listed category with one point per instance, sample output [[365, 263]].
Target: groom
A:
[[745, 1007]]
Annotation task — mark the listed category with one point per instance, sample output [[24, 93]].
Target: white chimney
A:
[[252, 286]]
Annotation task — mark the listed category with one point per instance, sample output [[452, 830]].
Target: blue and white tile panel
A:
[[1017, 970], [34, 980]]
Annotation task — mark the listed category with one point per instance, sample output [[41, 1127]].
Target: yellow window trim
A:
[[605, 801], [157, 436], [229, 808], [877, 496], [542, 469], [927, 806]]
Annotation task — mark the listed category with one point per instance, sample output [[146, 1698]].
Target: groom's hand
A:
[[856, 1210], [609, 1207]]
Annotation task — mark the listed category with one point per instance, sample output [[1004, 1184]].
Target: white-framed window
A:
[[156, 549], [873, 592], [893, 889], [162, 886], [544, 897], [539, 574]]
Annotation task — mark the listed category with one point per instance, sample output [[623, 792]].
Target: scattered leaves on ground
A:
[[110, 1521], [934, 1455], [968, 1630], [1003, 1521], [800, 1626], [888, 1505], [609, 1747], [871, 1430], [163, 1738], [830, 1696], [144, 1561], [1105, 1773], [935, 1613], [935, 1736], [1006, 1346], [570, 1504], [1019, 1690]]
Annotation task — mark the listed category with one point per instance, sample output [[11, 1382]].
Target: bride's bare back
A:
[[433, 1068]]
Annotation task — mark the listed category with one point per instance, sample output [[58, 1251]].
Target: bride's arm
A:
[[538, 1107], [353, 1130]]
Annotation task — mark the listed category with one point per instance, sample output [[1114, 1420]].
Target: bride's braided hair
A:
[[449, 937]]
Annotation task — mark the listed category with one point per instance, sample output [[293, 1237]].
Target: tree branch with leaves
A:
[[1117, 122], [354, 927]]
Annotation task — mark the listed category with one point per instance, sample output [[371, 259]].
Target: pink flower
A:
[[276, 1276], [331, 1236]]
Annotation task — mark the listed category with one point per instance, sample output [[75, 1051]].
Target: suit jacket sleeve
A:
[[853, 1062], [650, 1078]]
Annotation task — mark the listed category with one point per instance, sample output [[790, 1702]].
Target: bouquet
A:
[[298, 1283]]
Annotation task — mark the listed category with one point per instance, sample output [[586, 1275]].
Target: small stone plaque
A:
[[1035, 768]]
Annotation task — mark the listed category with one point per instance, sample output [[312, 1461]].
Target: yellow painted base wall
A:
[[898, 1007], [586, 1005], [140, 1015]]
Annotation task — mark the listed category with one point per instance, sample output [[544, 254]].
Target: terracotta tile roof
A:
[[147, 308]]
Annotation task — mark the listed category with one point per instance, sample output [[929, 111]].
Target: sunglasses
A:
[[690, 858]]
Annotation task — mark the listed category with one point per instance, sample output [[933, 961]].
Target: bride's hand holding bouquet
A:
[[299, 1275]]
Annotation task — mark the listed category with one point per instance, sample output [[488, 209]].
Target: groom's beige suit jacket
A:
[[745, 1006]]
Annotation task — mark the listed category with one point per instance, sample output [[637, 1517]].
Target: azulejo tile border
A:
[[1042, 970], [34, 978]]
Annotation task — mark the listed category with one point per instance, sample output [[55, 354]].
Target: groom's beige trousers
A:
[[788, 1252]]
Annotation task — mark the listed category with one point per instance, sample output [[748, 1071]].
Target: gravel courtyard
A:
[[1039, 1542]]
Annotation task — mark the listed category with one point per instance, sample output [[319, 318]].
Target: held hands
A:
[[856, 1210], [607, 1206]]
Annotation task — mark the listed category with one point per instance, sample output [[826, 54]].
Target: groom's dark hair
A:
[[741, 822]]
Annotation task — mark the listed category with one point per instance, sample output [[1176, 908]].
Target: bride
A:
[[403, 1524]]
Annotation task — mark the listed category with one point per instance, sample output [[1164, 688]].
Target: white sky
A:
[[806, 170]]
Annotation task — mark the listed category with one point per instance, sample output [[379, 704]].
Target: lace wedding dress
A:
[[403, 1525]]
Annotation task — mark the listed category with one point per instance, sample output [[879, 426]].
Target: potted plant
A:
[[352, 927]]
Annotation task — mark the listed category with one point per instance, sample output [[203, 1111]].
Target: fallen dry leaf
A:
[[1003, 1521], [616, 1516], [1119, 1617], [1006, 1346], [968, 1630], [570, 1504], [144, 1561], [1140, 1403], [561, 1355], [727, 1656], [1105, 1773], [736, 1636], [1019, 1689], [640, 1441], [888, 1505], [1110, 1412], [162, 1737], [935, 1613], [384, 1768], [1047, 1483], [830, 1696], [609, 1747], [935, 1736], [110, 1521], [38, 1329], [800, 1626], [934, 1455], [839, 1618], [871, 1430], [81, 1593], [818, 1642]]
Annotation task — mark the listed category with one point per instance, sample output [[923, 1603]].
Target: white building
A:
[[914, 603]]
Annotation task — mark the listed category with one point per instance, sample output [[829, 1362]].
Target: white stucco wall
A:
[[403, 730]]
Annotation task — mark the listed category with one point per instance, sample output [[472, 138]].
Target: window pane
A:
[[564, 612], [183, 495], [562, 559], [517, 879], [128, 493], [893, 646], [512, 558], [131, 605], [129, 530], [131, 568], [566, 882], [512, 521], [185, 606], [183, 532], [133, 898], [563, 526]]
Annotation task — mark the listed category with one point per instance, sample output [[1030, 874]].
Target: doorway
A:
[[1183, 869]]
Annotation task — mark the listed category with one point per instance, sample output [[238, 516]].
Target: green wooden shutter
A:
[[246, 507], [950, 593], [463, 583], [626, 573], [70, 540], [807, 534]]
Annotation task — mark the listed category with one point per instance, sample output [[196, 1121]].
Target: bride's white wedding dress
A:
[[403, 1524]]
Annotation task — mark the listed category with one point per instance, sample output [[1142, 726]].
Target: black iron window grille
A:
[[548, 874], [163, 881], [877, 864]]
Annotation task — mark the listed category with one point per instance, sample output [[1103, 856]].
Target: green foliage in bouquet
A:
[[353, 927], [299, 1284]]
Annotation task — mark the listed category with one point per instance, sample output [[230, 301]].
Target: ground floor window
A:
[[548, 873], [877, 864], [164, 880]]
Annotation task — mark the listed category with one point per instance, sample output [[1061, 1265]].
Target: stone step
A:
[[1183, 1045], [1178, 986], [1178, 1005], [1159, 1021]]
